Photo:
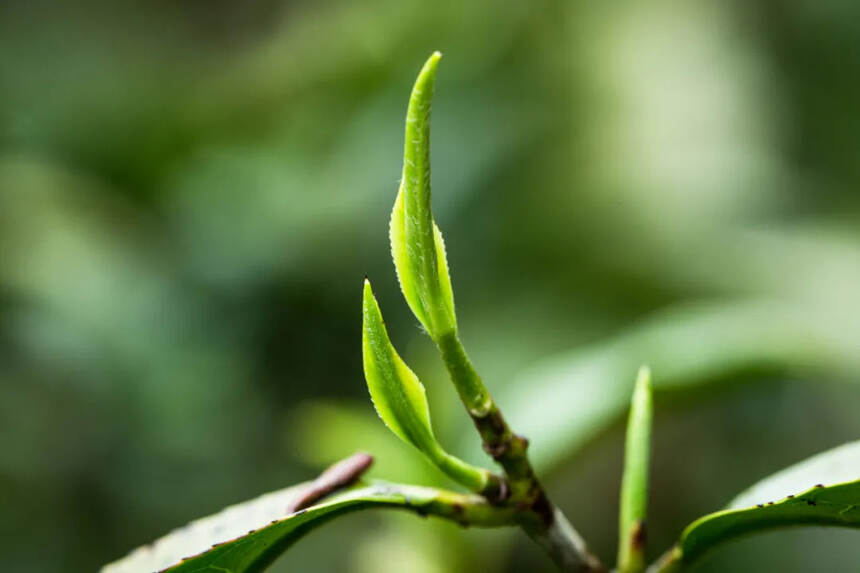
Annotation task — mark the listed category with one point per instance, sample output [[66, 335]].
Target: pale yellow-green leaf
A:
[[397, 394], [400, 399], [416, 242]]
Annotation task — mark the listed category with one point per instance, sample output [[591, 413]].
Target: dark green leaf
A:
[[795, 496], [246, 538]]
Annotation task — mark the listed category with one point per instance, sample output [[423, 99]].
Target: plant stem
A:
[[507, 448], [564, 545], [465, 509], [539, 518], [478, 480]]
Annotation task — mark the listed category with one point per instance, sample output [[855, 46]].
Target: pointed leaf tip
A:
[[433, 60], [643, 377]]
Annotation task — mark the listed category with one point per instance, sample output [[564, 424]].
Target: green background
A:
[[191, 194]]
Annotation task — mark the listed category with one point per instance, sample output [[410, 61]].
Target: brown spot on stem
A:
[[542, 507], [496, 450], [459, 511], [638, 536]]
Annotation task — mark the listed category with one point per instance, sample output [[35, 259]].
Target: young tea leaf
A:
[[416, 242], [400, 399], [397, 394], [795, 496], [634, 484]]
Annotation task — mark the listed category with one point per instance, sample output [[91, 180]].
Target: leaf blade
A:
[[416, 242], [247, 537], [401, 401], [837, 465], [564, 401], [834, 505], [837, 505], [398, 396]]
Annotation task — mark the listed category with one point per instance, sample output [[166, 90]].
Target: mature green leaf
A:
[[248, 537], [416, 242], [566, 400], [795, 496], [634, 483], [400, 399], [837, 465]]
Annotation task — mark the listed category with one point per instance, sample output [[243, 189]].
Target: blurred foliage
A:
[[191, 194]]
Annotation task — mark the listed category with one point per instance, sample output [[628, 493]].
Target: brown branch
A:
[[337, 476]]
